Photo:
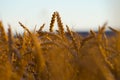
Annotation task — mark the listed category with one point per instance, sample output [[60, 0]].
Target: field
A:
[[59, 54]]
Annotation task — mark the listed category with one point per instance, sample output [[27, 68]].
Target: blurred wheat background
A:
[[36, 43], [60, 54]]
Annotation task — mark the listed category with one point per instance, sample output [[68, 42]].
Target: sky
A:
[[79, 15]]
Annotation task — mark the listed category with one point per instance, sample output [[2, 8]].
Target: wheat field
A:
[[59, 54]]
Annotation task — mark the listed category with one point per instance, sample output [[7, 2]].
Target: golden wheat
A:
[[61, 55]]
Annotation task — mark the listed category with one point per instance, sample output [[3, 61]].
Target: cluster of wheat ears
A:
[[60, 54]]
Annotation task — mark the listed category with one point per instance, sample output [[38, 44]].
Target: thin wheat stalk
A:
[[60, 25], [39, 59], [3, 36], [41, 28], [24, 27], [114, 30], [92, 33], [52, 22], [73, 39], [10, 44]]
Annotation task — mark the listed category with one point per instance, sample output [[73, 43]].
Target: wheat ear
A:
[[52, 22], [60, 25]]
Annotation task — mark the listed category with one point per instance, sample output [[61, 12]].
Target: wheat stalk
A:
[[41, 28], [73, 39], [24, 27], [114, 30], [52, 22], [10, 44], [3, 36], [60, 25]]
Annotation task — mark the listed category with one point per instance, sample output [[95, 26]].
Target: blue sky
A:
[[78, 14]]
